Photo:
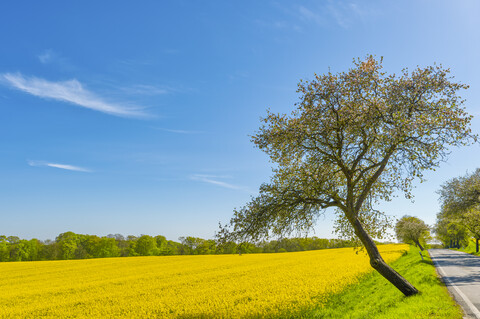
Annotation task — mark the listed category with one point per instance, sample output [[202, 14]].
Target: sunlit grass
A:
[[471, 248], [375, 297]]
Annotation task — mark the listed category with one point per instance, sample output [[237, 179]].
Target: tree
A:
[[87, 246], [130, 250], [206, 247], [450, 232], [161, 242], [103, 247], [172, 248], [190, 245], [19, 250], [146, 246], [411, 229], [354, 139], [471, 220], [34, 248], [4, 249], [49, 251], [67, 244], [460, 198], [461, 193]]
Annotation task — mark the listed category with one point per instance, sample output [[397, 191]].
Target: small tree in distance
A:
[[411, 229], [354, 139]]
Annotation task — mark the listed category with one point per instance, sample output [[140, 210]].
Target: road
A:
[[461, 274]]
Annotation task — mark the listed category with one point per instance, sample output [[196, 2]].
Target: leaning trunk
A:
[[419, 245], [377, 262]]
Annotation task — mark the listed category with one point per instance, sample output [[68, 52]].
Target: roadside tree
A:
[[471, 221], [355, 138], [460, 199], [410, 229], [451, 232]]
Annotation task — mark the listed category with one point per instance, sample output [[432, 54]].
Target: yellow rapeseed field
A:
[[218, 286]]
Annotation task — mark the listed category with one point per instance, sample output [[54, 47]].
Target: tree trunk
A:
[[476, 244], [377, 262], [419, 245]]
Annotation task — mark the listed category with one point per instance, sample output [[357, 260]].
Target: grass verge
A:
[[375, 297], [470, 249]]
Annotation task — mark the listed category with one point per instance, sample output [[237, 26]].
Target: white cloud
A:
[[61, 166], [47, 56], [70, 91], [308, 14], [50, 57], [210, 180], [340, 14], [177, 131], [343, 13], [143, 89], [278, 24]]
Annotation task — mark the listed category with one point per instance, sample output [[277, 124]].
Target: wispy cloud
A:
[[135, 62], [213, 179], [278, 24], [71, 91], [239, 75], [343, 13], [60, 166], [46, 56], [177, 131], [49, 57], [144, 89], [310, 15], [170, 51]]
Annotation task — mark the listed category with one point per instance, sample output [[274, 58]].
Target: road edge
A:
[[443, 276]]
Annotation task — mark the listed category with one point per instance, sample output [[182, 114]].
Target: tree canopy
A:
[[353, 140], [460, 204], [460, 193], [70, 245], [450, 232], [410, 229]]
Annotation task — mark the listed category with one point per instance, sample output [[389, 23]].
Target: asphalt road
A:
[[461, 274]]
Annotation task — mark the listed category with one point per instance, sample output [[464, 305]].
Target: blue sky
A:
[[134, 117]]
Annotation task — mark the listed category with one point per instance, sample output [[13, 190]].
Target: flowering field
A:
[[218, 286]]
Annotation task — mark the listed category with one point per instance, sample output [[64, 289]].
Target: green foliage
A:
[[459, 194], [69, 245], [146, 246], [4, 249], [451, 233], [354, 138], [197, 246], [460, 214], [107, 247], [470, 248], [412, 230]]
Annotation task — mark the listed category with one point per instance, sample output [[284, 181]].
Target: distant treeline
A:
[[69, 245]]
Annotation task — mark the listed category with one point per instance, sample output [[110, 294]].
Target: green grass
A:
[[470, 249], [375, 297]]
